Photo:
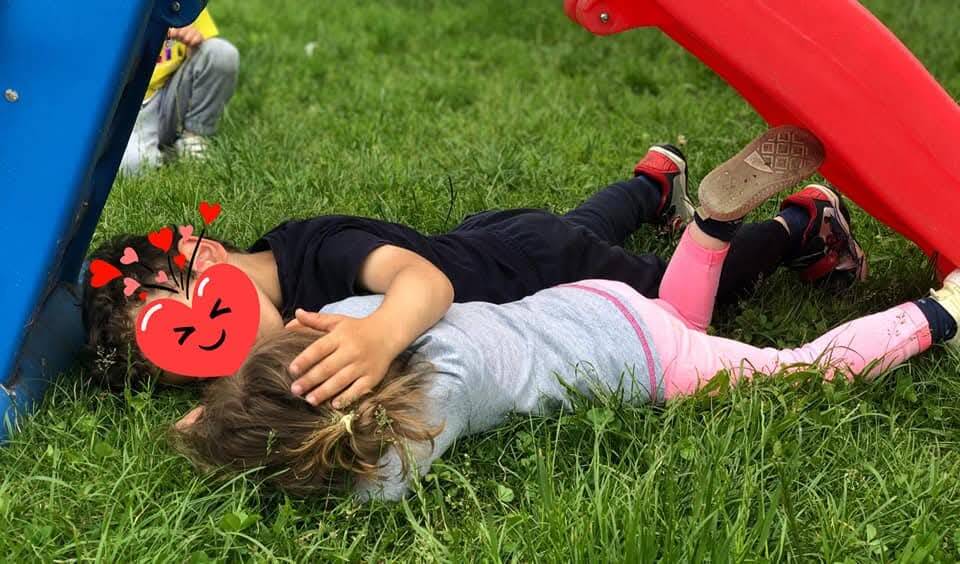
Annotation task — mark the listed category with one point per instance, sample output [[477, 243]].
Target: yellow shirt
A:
[[174, 53]]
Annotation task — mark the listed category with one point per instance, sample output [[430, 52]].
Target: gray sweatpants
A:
[[193, 100]]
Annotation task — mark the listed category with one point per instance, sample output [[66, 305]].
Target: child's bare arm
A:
[[355, 354]]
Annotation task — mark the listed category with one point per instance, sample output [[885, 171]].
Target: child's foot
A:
[[666, 165], [780, 158], [949, 299], [826, 246], [192, 146]]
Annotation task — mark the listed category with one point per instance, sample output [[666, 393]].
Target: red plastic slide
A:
[[832, 67]]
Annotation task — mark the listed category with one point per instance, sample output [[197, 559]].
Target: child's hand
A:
[[350, 360], [356, 353], [189, 35]]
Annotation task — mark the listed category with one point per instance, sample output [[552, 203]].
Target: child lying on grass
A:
[[483, 362], [494, 257]]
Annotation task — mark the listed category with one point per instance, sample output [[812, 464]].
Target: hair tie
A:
[[347, 421]]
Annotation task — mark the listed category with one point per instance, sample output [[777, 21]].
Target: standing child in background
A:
[[195, 77]]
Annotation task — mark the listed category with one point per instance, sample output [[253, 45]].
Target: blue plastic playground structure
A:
[[72, 78]]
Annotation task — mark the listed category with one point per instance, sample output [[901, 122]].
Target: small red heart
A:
[[142, 296], [103, 273], [209, 338], [180, 260], [161, 239], [209, 212]]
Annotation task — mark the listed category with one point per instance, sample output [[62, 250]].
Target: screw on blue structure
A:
[[57, 175]]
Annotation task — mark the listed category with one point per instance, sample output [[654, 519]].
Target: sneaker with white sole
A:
[[192, 146], [778, 159], [828, 249], [667, 166], [948, 297]]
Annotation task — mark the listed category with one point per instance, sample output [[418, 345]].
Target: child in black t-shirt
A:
[[497, 256]]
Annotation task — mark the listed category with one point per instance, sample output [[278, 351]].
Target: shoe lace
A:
[[671, 221], [839, 244], [834, 244]]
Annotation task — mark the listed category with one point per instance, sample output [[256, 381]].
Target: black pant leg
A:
[[643, 272], [563, 252], [757, 250], [618, 210]]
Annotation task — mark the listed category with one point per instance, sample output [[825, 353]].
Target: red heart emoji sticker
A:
[[209, 212], [161, 239], [180, 260], [209, 338], [102, 273]]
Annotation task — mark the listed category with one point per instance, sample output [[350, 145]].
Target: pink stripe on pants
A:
[[690, 357]]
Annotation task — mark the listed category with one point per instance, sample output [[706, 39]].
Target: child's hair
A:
[[114, 356], [251, 422]]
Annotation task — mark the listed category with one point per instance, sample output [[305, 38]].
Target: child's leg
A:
[[143, 148], [693, 276], [756, 252], [198, 92], [690, 359], [656, 194], [689, 285], [615, 212], [576, 253], [565, 253], [867, 346], [812, 235]]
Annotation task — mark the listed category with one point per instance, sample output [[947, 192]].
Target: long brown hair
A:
[[252, 422]]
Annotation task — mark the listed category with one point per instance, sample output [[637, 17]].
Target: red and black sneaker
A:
[[828, 249], [666, 165]]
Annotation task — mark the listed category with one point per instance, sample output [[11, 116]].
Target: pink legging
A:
[[690, 357]]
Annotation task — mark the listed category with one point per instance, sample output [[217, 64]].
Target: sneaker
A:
[[667, 165], [192, 146], [828, 248], [780, 158], [949, 298]]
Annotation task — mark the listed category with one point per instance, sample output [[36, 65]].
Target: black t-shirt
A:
[[319, 259]]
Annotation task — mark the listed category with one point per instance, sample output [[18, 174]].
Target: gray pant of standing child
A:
[[191, 102]]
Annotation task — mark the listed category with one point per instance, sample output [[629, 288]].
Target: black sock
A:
[[650, 190], [796, 219], [723, 230], [943, 326]]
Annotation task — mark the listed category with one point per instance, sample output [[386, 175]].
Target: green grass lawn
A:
[[512, 105]]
